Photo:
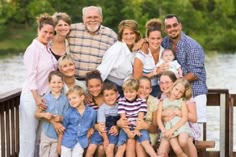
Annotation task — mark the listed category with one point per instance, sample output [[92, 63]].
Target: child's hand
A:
[[59, 149], [47, 116], [90, 132], [105, 143], [137, 132], [140, 124], [114, 130], [168, 133], [58, 127], [130, 134]]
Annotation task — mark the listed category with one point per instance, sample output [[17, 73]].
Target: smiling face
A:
[[67, 68], [177, 91], [56, 84], [154, 40], [145, 88], [94, 87], [165, 84], [92, 19], [110, 97], [173, 27], [75, 99], [45, 34], [62, 28], [128, 36], [130, 94]]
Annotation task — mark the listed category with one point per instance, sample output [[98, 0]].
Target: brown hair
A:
[[93, 75], [170, 74], [145, 78], [44, 19], [61, 16], [153, 25], [130, 24], [109, 86], [55, 73]]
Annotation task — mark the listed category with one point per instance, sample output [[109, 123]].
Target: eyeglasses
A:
[[172, 26]]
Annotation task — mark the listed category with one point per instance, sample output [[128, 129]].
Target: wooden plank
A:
[[204, 144]]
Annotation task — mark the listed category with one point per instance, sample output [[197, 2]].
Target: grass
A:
[[16, 39]]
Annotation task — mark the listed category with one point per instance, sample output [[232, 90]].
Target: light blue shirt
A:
[[57, 106], [77, 126]]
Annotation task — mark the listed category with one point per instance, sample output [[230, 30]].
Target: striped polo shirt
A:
[[132, 108]]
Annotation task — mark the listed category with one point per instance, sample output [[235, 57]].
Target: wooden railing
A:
[[9, 122]]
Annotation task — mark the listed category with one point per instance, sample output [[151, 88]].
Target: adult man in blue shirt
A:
[[191, 57]]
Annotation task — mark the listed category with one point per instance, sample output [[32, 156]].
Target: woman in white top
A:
[[117, 62], [146, 59], [39, 63]]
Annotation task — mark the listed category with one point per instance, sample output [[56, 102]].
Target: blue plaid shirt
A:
[[191, 57]]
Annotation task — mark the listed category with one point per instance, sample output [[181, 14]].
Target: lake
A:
[[221, 74]]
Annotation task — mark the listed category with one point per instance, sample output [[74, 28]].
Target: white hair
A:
[[86, 9]]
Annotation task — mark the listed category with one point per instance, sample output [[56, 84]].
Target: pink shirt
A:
[[39, 63]]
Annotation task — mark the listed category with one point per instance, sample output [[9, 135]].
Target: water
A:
[[220, 75]]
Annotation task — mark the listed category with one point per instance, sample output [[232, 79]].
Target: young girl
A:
[[94, 85], [77, 120], [177, 127], [95, 99], [133, 108], [108, 116], [57, 104], [168, 56]]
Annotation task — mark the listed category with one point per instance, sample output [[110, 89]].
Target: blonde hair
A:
[[57, 16], [152, 25], [130, 24], [188, 93], [44, 19], [77, 90], [64, 59], [130, 84]]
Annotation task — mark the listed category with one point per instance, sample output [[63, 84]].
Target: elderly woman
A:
[[117, 62]]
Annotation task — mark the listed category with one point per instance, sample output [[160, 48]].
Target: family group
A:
[[90, 91]]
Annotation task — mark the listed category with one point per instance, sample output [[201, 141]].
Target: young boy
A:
[[108, 116], [78, 119], [57, 104], [133, 108]]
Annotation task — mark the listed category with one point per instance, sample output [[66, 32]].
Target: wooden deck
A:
[[9, 122]]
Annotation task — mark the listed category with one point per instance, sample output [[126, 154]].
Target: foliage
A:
[[210, 22]]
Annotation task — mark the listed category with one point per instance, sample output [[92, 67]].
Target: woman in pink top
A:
[[39, 63]]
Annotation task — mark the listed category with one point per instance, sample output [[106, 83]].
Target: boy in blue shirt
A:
[[78, 119], [108, 116], [57, 104]]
